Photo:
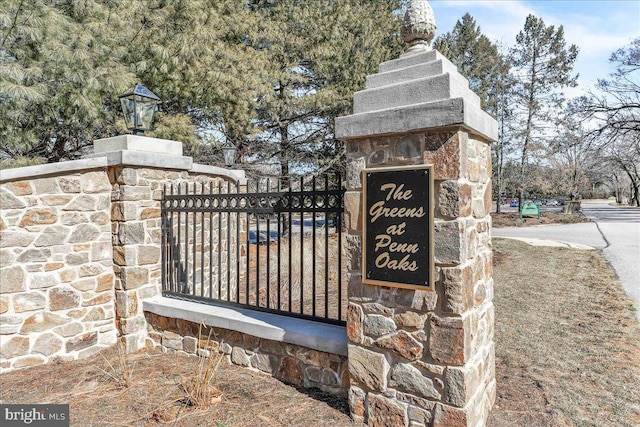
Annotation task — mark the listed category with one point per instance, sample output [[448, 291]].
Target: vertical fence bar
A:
[[177, 244], [339, 229], [313, 250], [279, 242], [301, 245], [195, 239], [219, 244], [289, 241], [248, 252], [202, 239], [210, 239], [269, 244], [327, 195], [185, 280], [257, 245], [174, 243], [163, 237], [237, 244], [228, 204]]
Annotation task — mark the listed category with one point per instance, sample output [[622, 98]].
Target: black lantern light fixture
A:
[[229, 154], [139, 106]]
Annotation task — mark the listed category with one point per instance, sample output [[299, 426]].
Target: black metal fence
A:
[[271, 245]]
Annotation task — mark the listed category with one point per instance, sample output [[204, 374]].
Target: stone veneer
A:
[[423, 358], [419, 357], [56, 268], [137, 238], [290, 363], [80, 249]]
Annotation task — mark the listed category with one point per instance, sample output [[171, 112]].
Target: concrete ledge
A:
[[234, 174], [413, 72], [60, 168], [409, 60], [305, 333], [418, 117], [142, 158]]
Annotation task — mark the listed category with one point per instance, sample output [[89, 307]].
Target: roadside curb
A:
[[549, 243]]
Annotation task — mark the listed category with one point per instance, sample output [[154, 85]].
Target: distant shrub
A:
[[19, 162]]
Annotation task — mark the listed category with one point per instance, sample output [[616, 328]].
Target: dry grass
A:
[[155, 396], [121, 371], [200, 390], [300, 279], [567, 345]]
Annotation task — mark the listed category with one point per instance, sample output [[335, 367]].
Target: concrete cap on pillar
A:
[[419, 91]]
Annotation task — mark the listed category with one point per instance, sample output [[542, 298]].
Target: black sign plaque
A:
[[398, 227]]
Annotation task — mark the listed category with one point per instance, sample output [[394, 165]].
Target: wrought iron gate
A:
[[259, 246]]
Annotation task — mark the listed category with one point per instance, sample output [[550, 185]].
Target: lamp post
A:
[[139, 106], [229, 154]]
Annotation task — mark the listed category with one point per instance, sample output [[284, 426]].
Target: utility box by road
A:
[[530, 209]]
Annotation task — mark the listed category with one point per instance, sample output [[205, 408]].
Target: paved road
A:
[[614, 230]]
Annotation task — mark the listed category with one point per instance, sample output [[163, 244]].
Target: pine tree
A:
[[542, 65], [55, 72], [266, 76], [487, 69], [476, 57], [317, 53]]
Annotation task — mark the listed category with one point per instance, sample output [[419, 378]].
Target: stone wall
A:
[[56, 268], [80, 249], [290, 363]]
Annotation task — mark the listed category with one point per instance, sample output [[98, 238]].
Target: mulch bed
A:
[[155, 394], [512, 219]]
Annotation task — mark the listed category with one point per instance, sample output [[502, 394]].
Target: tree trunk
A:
[[635, 195], [499, 173], [284, 155]]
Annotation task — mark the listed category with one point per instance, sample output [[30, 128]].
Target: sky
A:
[[597, 27]]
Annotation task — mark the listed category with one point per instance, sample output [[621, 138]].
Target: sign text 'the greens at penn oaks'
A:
[[398, 227]]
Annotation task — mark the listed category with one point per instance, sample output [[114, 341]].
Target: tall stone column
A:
[[420, 357], [139, 168]]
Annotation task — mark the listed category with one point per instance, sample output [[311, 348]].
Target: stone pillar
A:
[[418, 357], [139, 168]]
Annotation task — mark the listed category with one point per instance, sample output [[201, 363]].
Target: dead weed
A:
[[200, 390]]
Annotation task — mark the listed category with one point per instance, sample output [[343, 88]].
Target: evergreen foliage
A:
[[477, 58], [317, 53], [487, 69], [56, 71], [266, 76]]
